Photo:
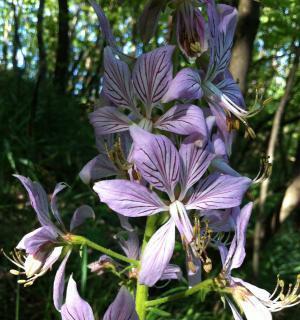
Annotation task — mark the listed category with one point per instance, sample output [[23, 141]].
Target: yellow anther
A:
[[14, 272], [21, 281]]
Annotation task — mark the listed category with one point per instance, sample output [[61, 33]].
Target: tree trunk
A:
[[40, 39], [258, 232], [248, 12], [63, 46], [42, 67], [5, 42], [16, 37], [291, 198]]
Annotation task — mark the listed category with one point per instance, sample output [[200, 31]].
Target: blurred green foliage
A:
[[61, 141]]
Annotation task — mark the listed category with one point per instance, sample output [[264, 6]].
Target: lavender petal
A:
[[128, 198], [108, 120], [75, 307], [80, 215], [156, 158], [117, 84], [152, 74], [186, 85], [122, 308], [219, 192], [157, 254], [183, 119]]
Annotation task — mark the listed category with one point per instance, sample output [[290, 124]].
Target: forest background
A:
[[50, 77]]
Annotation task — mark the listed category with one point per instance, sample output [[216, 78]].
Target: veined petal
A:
[[157, 254], [253, 308], [125, 224], [152, 74], [80, 215], [156, 158], [186, 85], [194, 270], [172, 272], [222, 22], [38, 264], [59, 283], [129, 243], [190, 29], [59, 187], [219, 220], [195, 160], [225, 135], [117, 84], [238, 253], [182, 221], [230, 88], [103, 263], [128, 198], [235, 313], [218, 192], [38, 199], [183, 119], [122, 308], [52, 258], [219, 145], [259, 293], [33, 241], [223, 253], [104, 24], [149, 18], [97, 168], [108, 120], [75, 308]]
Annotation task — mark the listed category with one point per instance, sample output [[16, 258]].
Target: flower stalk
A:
[[79, 240], [206, 285], [141, 289]]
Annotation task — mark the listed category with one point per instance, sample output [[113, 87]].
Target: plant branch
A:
[[207, 285], [74, 239], [141, 289]]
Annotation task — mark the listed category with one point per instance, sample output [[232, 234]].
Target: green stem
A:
[[84, 268], [74, 239], [204, 285], [17, 309], [142, 290]]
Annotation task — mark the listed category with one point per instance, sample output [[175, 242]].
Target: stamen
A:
[[13, 260], [117, 156], [264, 171], [283, 300], [14, 272], [200, 243], [213, 91]]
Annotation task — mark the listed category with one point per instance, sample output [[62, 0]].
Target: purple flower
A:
[[163, 167], [75, 308], [216, 83], [122, 308], [44, 246], [148, 83], [191, 30], [111, 160], [190, 25], [129, 242], [256, 303]]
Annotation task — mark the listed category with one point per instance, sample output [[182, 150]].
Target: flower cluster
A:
[[164, 145]]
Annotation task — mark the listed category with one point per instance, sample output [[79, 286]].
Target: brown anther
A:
[[136, 175], [207, 266], [133, 273]]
